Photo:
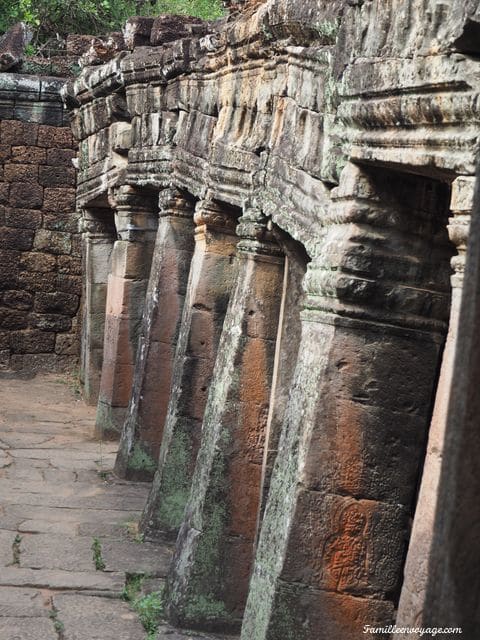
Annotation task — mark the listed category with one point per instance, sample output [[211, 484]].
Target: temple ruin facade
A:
[[274, 212]]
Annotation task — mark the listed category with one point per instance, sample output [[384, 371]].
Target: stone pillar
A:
[[208, 583], [98, 233], [452, 592], [333, 537], [209, 286], [135, 221], [142, 432], [412, 600], [288, 342]]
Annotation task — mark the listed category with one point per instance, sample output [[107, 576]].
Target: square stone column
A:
[[98, 236], [452, 592], [137, 457], [136, 221], [208, 583], [286, 353], [210, 283], [334, 533], [411, 609]]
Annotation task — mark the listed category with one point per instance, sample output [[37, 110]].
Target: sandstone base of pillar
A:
[[109, 421], [140, 467], [338, 616]]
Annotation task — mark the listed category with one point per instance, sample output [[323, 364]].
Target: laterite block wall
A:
[[40, 255]]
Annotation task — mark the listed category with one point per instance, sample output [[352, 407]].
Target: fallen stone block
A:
[[12, 46]]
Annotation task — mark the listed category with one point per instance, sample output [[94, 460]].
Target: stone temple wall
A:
[[40, 253], [276, 210]]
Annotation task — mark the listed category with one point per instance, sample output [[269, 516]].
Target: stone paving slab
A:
[[22, 603], [166, 632], [6, 542], [5, 459], [100, 581], [66, 489], [45, 526], [46, 551], [29, 440], [27, 629], [57, 494], [64, 455], [96, 618], [21, 440], [133, 557], [60, 488], [18, 472], [17, 513], [99, 502], [115, 531]]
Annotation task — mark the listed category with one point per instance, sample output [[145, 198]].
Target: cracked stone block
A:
[[12, 46], [105, 529]]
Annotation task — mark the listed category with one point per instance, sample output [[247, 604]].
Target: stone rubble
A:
[[12, 46]]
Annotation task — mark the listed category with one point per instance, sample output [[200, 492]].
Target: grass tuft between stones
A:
[[16, 549], [131, 527], [133, 586], [57, 624], [97, 555], [149, 608]]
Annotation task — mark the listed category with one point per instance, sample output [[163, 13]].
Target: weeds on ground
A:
[[16, 548], [72, 380], [131, 527], [97, 555], [133, 586], [105, 475], [149, 608], [57, 624]]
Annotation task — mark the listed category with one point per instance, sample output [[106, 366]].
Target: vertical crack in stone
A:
[[57, 623], [97, 555], [16, 550]]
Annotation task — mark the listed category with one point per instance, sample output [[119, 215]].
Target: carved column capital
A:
[[128, 197], [211, 214], [463, 189], [96, 223], [372, 265], [255, 232], [136, 212], [172, 203]]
